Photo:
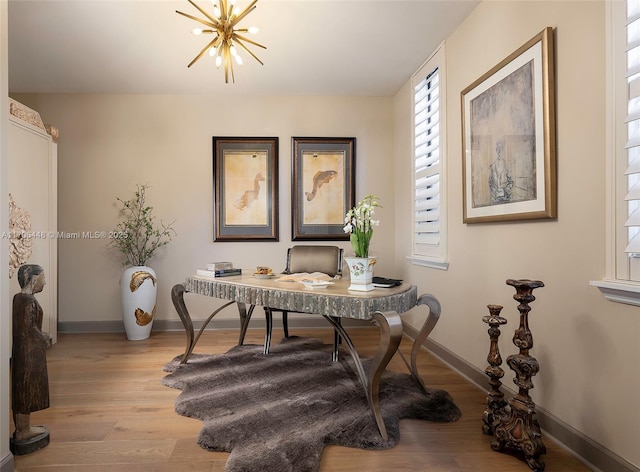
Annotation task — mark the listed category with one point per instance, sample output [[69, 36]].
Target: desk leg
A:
[[391, 335], [177, 297], [433, 317], [336, 342], [245, 317]]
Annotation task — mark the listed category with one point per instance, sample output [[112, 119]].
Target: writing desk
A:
[[380, 306]]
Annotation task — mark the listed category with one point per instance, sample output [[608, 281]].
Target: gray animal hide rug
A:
[[277, 412]]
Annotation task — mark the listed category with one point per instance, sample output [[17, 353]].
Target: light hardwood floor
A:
[[109, 412]]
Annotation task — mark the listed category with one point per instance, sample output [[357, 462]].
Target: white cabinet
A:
[[32, 174]]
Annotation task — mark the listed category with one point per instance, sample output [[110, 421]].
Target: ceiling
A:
[[314, 47]]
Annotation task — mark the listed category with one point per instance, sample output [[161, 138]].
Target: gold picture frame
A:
[[245, 181], [323, 187], [508, 138]]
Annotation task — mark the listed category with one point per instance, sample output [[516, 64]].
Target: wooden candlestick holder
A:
[[496, 404], [518, 429]]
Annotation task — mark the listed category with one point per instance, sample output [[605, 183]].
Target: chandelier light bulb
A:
[[197, 31], [254, 30], [218, 61], [213, 52], [233, 51], [238, 59]]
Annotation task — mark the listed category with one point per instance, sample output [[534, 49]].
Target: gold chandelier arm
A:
[[204, 50], [228, 64], [244, 13], [213, 19], [199, 20], [237, 37], [223, 10], [241, 44]]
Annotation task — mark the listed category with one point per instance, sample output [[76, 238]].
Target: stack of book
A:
[[219, 269]]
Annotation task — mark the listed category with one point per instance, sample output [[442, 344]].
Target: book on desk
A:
[[219, 265], [218, 273]]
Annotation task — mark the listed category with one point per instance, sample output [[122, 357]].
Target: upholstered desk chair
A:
[[325, 259]]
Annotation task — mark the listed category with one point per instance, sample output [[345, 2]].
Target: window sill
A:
[[439, 264], [619, 291]]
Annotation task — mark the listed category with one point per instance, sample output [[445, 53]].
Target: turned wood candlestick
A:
[[496, 403], [519, 430]]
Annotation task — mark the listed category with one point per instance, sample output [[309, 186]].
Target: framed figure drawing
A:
[[245, 182], [323, 187], [508, 114]]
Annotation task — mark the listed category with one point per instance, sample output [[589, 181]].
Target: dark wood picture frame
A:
[[323, 187], [508, 137], [245, 188]]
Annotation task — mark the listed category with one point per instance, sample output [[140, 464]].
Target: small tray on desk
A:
[[314, 283], [382, 282], [263, 276]]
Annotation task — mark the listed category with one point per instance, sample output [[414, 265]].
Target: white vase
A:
[[138, 290], [361, 273]]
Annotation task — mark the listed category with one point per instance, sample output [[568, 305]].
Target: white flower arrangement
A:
[[359, 223]]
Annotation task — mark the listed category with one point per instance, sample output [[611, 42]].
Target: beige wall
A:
[[109, 143], [588, 348]]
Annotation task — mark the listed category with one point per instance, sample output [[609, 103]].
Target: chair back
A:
[[326, 259]]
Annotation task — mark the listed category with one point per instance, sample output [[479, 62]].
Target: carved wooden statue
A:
[[29, 379]]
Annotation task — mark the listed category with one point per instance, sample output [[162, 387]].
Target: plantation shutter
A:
[[633, 127], [427, 160]]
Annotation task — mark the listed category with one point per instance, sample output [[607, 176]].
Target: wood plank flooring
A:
[[109, 411]]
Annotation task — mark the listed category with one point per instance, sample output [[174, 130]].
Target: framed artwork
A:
[[508, 121], [245, 183], [323, 187]]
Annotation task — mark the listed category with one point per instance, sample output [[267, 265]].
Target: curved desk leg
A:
[[337, 325], [177, 297], [390, 337], [429, 323], [267, 337], [336, 342], [245, 317]]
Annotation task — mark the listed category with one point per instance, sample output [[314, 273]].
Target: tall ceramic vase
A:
[[138, 290], [361, 270]]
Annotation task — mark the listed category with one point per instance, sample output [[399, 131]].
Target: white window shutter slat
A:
[[633, 127]]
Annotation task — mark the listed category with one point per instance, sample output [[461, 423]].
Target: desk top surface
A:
[[335, 300]]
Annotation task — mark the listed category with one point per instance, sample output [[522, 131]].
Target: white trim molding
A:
[[439, 264], [619, 291]]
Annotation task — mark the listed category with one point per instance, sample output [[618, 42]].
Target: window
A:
[[622, 282], [429, 215]]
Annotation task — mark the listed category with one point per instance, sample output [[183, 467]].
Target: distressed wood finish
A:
[[334, 300]]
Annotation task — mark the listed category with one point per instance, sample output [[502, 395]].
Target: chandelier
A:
[[223, 24]]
